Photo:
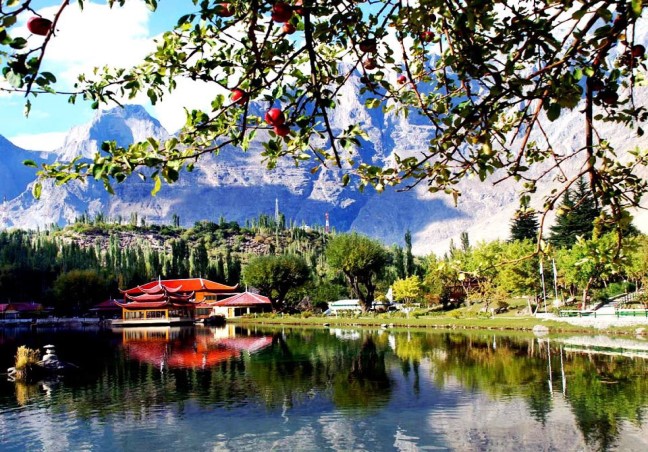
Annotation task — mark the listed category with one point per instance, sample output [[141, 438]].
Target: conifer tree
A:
[[576, 216], [524, 225]]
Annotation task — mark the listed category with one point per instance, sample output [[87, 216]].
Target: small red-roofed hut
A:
[[241, 304]]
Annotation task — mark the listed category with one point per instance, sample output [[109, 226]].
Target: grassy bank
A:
[[501, 323]]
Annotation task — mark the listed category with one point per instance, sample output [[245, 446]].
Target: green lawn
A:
[[501, 322]]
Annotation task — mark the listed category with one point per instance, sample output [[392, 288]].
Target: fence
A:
[[617, 313]]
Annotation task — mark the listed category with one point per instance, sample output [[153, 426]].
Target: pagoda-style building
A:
[[170, 301]]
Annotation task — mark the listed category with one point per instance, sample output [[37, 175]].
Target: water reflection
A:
[[195, 348], [235, 388]]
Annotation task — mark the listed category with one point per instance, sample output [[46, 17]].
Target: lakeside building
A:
[[29, 310], [241, 304], [106, 309], [170, 301]]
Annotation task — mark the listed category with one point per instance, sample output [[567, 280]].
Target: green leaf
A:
[[18, 43], [554, 112], [14, 79], [157, 186], [30, 163], [637, 6], [36, 190]]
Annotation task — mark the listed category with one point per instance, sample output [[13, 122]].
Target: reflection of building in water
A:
[[172, 301], [347, 335], [176, 347]]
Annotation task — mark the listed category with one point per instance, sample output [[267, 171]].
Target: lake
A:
[[232, 388]]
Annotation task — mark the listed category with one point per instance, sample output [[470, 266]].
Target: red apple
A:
[[282, 130], [281, 12], [426, 36], [596, 84], [638, 51], [238, 96], [275, 117], [288, 28], [39, 25], [299, 9], [401, 79], [224, 10], [368, 45], [609, 97], [370, 63]]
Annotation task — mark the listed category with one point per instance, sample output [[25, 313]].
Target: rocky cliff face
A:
[[237, 185]]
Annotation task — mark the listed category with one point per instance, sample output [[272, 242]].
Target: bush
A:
[[26, 357]]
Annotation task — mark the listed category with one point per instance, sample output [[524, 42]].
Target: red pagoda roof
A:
[[180, 286], [145, 304], [148, 298], [243, 299]]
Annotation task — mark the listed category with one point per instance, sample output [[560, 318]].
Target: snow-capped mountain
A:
[[237, 185]]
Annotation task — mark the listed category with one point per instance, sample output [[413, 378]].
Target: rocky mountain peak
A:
[[126, 125]]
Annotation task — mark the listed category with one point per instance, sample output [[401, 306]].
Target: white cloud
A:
[[96, 36], [192, 95], [39, 142]]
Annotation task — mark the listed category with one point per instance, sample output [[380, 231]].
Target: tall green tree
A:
[[408, 260], [276, 275], [78, 290], [407, 290], [361, 260], [525, 225], [199, 260], [591, 263]]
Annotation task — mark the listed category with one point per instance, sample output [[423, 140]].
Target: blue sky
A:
[[94, 37]]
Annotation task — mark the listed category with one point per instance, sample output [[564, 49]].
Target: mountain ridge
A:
[[237, 185]]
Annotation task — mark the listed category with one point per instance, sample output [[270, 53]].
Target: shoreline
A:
[[525, 324]]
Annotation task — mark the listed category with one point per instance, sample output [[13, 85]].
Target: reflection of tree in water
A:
[[299, 365], [365, 384], [602, 391]]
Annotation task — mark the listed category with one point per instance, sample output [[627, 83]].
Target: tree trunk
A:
[[586, 293]]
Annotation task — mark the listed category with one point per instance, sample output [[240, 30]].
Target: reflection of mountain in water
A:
[[195, 348]]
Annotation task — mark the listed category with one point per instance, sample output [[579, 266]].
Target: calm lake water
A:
[[321, 389]]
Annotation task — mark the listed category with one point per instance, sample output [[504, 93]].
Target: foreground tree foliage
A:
[[486, 77]]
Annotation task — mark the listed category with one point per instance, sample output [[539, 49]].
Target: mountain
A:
[[14, 176], [237, 185]]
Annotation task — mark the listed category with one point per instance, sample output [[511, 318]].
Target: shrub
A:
[[26, 357]]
